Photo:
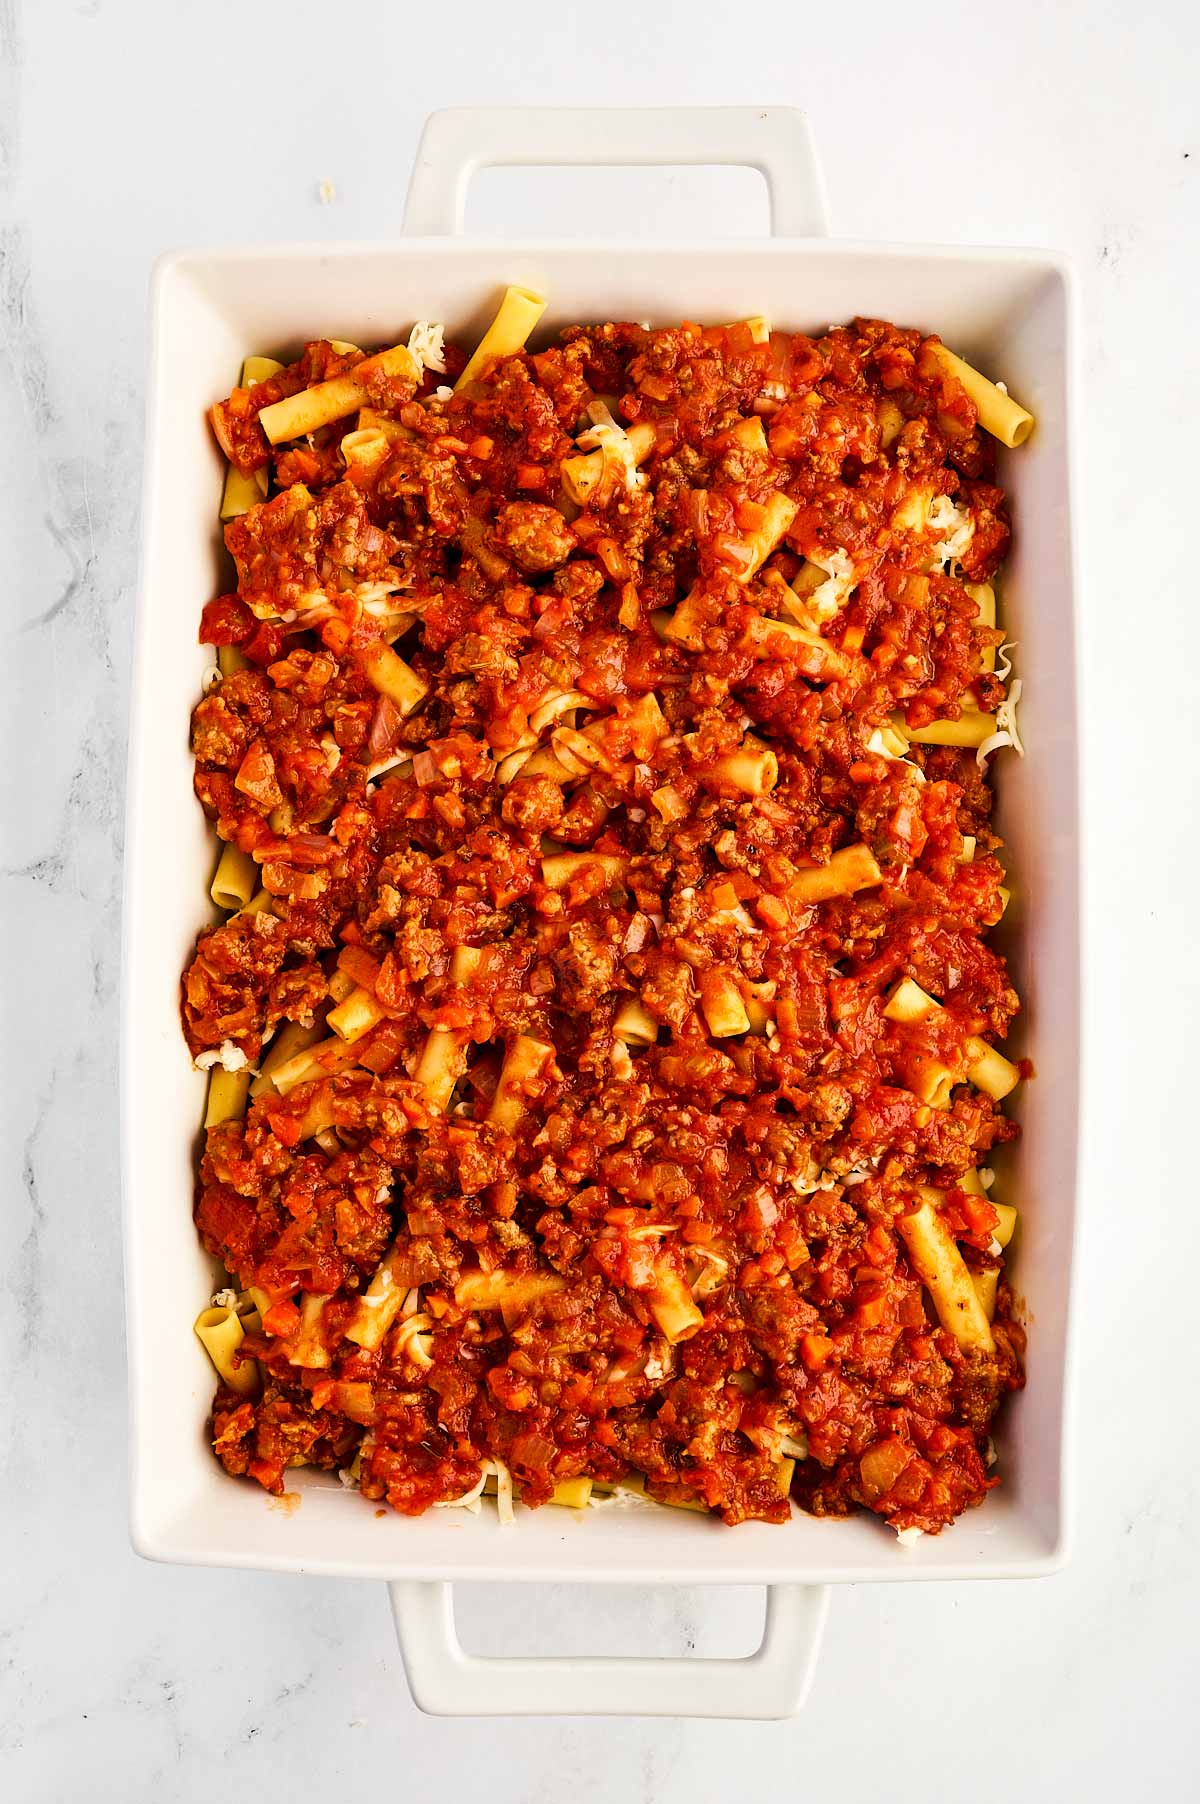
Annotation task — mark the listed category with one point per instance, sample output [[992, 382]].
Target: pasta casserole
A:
[[603, 1029]]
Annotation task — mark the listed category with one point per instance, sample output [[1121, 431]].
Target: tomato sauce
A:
[[754, 1172]]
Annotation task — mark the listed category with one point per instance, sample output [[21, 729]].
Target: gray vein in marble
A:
[[18, 333], [80, 572], [12, 57], [46, 871], [24, 1281]]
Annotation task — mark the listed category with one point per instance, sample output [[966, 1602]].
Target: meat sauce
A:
[[750, 1165]]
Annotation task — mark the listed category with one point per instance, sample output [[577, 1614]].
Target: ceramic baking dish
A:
[[1011, 312]]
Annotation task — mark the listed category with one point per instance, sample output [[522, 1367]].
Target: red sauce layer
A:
[[712, 1210]]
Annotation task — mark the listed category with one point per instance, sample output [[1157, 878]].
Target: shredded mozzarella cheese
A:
[[381, 766], [227, 1055], [376, 598], [955, 527], [605, 434], [878, 744], [834, 592], [414, 1339], [504, 1492], [620, 1497], [1006, 728], [380, 1297], [427, 347], [469, 1499]]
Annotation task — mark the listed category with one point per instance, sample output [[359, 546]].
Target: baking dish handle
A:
[[461, 140], [771, 1683]]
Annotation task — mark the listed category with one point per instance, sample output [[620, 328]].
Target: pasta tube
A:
[[998, 413], [672, 1305], [524, 1061], [441, 1064], [722, 1003], [307, 1348], [984, 597], [561, 868], [244, 492], [386, 671], [292, 1038], [634, 1023], [325, 402], [512, 1293], [364, 451], [814, 655], [970, 729], [518, 313], [235, 880], [753, 769], [356, 1016], [943, 1271], [987, 1287], [227, 1095], [987, 1069], [220, 1333], [851, 869], [1006, 1227], [380, 1303], [781, 510], [324, 1059], [571, 1493]]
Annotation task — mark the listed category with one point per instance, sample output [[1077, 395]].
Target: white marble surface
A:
[[129, 127]]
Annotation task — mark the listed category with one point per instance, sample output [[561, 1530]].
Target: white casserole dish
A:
[[1011, 312]]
